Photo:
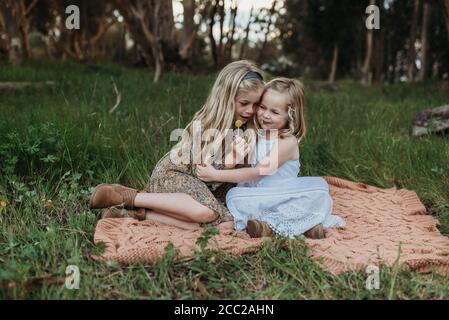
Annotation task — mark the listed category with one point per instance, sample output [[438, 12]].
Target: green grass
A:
[[56, 143]]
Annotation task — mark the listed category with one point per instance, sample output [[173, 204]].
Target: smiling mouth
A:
[[266, 123]]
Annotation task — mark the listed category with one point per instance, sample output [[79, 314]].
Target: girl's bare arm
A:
[[282, 151]]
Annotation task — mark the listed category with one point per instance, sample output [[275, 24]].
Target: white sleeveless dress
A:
[[291, 205]]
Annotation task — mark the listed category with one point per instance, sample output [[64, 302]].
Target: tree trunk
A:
[[102, 27], [378, 57], [166, 32], [213, 44], [11, 32], [24, 35], [412, 39], [122, 53], [167, 24], [445, 7], [25, 26], [189, 30], [424, 42], [366, 68], [391, 61], [4, 37], [222, 15], [21, 12], [78, 45], [334, 64], [153, 39]]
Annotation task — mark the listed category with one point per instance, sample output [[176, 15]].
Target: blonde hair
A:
[[219, 109], [295, 108]]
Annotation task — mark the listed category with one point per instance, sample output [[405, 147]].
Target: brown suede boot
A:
[[117, 212], [110, 195], [258, 229], [316, 232]]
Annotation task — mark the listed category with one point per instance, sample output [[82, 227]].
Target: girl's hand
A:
[[240, 149], [206, 172], [238, 153]]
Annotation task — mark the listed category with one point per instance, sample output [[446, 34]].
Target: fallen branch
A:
[[118, 97], [12, 85]]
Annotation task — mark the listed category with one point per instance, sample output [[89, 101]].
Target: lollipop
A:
[[238, 124]]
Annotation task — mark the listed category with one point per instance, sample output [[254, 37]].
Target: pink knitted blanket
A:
[[384, 227]]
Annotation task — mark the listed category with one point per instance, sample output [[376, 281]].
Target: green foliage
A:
[[205, 237]]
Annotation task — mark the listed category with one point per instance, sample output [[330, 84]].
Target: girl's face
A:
[[246, 103], [272, 113]]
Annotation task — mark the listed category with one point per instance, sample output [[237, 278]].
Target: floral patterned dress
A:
[[168, 177]]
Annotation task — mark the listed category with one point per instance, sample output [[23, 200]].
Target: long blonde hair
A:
[[295, 92], [219, 108]]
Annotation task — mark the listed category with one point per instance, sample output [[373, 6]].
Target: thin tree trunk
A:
[[11, 32], [424, 42], [189, 30], [166, 31], [77, 47], [102, 28], [445, 9], [213, 44], [412, 39], [167, 24], [221, 14], [156, 48], [122, 52], [4, 36], [334, 64], [390, 65], [24, 35], [378, 57], [22, 12]]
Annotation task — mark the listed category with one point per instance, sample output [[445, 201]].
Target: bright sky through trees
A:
[[244, 8]]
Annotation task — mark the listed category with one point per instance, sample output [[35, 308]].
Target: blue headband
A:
[[252, 75]]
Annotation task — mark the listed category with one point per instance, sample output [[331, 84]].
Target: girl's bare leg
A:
[[175, 216], [155, 216], [177, 205], [228, 225]]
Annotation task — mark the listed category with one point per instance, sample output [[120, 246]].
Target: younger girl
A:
[[270, 196]]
